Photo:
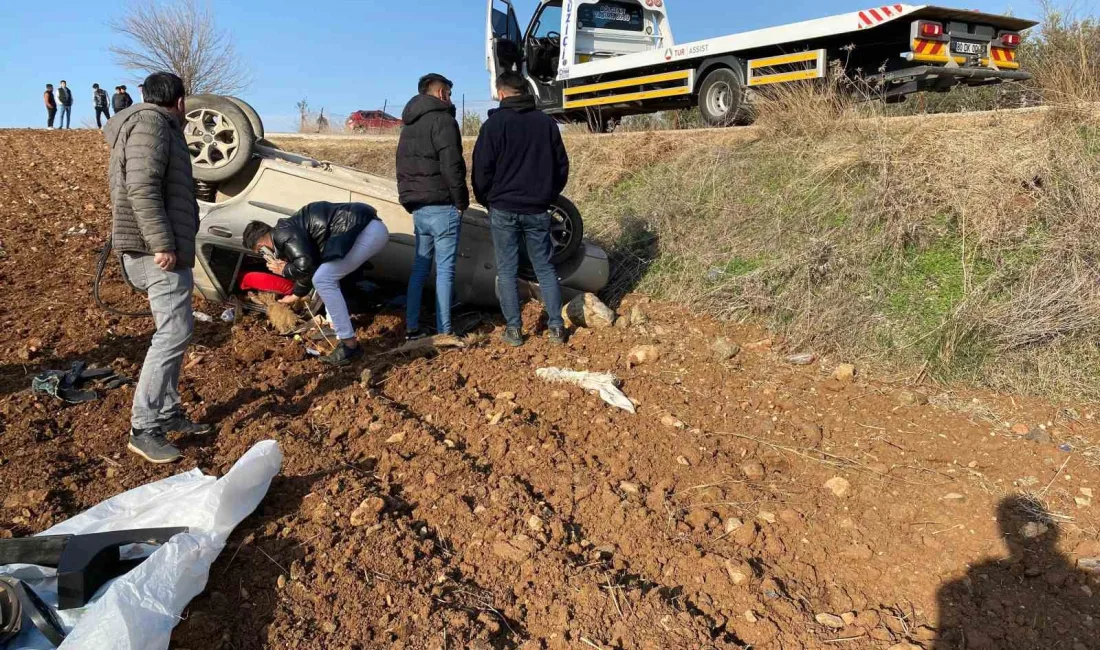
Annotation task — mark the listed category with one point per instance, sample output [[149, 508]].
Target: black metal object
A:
[[30, 605], [84, 563], [11, 612]]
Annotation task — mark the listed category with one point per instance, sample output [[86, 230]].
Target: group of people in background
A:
[[62, 101]]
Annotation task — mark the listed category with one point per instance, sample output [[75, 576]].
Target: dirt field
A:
[[458, 502]]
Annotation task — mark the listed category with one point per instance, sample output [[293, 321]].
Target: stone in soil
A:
[[905, 397], [753, 471], [838, 485], [643, 355], [845, 372], [831, 621], [724, 349], [368, 511]]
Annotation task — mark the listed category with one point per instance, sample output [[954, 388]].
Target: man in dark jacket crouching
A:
[[155, 222], [520, 169], [317, 247]]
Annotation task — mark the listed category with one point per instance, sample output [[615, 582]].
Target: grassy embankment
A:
[[963, 248]]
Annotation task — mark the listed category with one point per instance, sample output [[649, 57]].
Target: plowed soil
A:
[[457, 501]]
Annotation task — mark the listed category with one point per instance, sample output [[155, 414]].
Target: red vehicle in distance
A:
[[372, 121]]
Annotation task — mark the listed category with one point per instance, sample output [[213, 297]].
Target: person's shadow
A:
[[1035, 598]]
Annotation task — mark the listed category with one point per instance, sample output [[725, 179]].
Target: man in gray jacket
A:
[[155, 221]]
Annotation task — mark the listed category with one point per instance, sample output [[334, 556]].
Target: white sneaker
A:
[[49, 128]]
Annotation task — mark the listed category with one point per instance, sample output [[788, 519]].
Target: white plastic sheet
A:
[[139, 610]]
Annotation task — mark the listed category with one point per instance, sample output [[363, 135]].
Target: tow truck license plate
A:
[[965, 47]]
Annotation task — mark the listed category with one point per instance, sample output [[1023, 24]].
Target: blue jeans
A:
[[157, 397], [509, 230], [66, 117], [437, 229]]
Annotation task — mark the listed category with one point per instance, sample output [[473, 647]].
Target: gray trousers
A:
[[157, 396]]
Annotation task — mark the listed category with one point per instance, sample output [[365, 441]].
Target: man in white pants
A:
[[317, 247]]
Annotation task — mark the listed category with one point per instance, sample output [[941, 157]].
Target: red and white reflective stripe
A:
[[872, 17]]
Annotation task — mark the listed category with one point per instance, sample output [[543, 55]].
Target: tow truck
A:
[[596, 61]]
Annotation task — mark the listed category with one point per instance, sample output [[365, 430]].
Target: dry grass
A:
[[957, 248]]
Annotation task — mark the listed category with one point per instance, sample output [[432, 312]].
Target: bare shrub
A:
[[180, 37]]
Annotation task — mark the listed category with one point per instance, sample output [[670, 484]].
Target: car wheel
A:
[[246, 108], [219, 137], [566, 230], [720, 97]]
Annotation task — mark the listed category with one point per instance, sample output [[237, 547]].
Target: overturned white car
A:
[[241, 177]]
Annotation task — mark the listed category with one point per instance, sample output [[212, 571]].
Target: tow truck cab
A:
[[595, 61]]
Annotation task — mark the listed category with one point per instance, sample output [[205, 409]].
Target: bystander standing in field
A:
[[520, 168], [155, 222], [121, 100], [431, 181], [51, 105], [101, 103], [65, 100]]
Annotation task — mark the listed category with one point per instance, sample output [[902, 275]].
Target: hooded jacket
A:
[[430, 167], [320, 232], [121, 101], [520, 162], [152, 191]]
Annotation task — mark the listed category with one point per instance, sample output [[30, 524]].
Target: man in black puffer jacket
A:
[[317, 247], [431, 180]]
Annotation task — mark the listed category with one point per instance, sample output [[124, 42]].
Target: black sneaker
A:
[[343, 355], [559, 335], [416, 335], [151, 445], [512, 336], [179, 423]]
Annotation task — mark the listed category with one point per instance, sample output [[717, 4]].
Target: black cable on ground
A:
[[100, 269]]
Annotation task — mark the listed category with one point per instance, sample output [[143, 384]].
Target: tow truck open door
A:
[[504, 46]]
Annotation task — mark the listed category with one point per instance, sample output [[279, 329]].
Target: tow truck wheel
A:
[[720, 97]]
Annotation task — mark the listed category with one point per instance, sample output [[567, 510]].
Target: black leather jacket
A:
[[320, 232]]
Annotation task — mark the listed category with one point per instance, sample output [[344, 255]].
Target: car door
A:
[[504, 42]]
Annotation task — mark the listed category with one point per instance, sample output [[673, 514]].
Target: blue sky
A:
[[340, 55]]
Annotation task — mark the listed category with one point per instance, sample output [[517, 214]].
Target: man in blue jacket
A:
[[520, 168]]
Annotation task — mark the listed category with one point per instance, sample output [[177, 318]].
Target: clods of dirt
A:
[[454, 500]]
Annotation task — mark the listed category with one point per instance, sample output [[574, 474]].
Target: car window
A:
[[611, 15], [549, 21]]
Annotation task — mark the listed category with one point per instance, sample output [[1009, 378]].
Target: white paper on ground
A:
[[139, 610], [604, 384]]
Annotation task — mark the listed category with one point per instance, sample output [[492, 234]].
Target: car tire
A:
[[246, 108], [252, 115], [219, 137], [721, 97], [566, 230]]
